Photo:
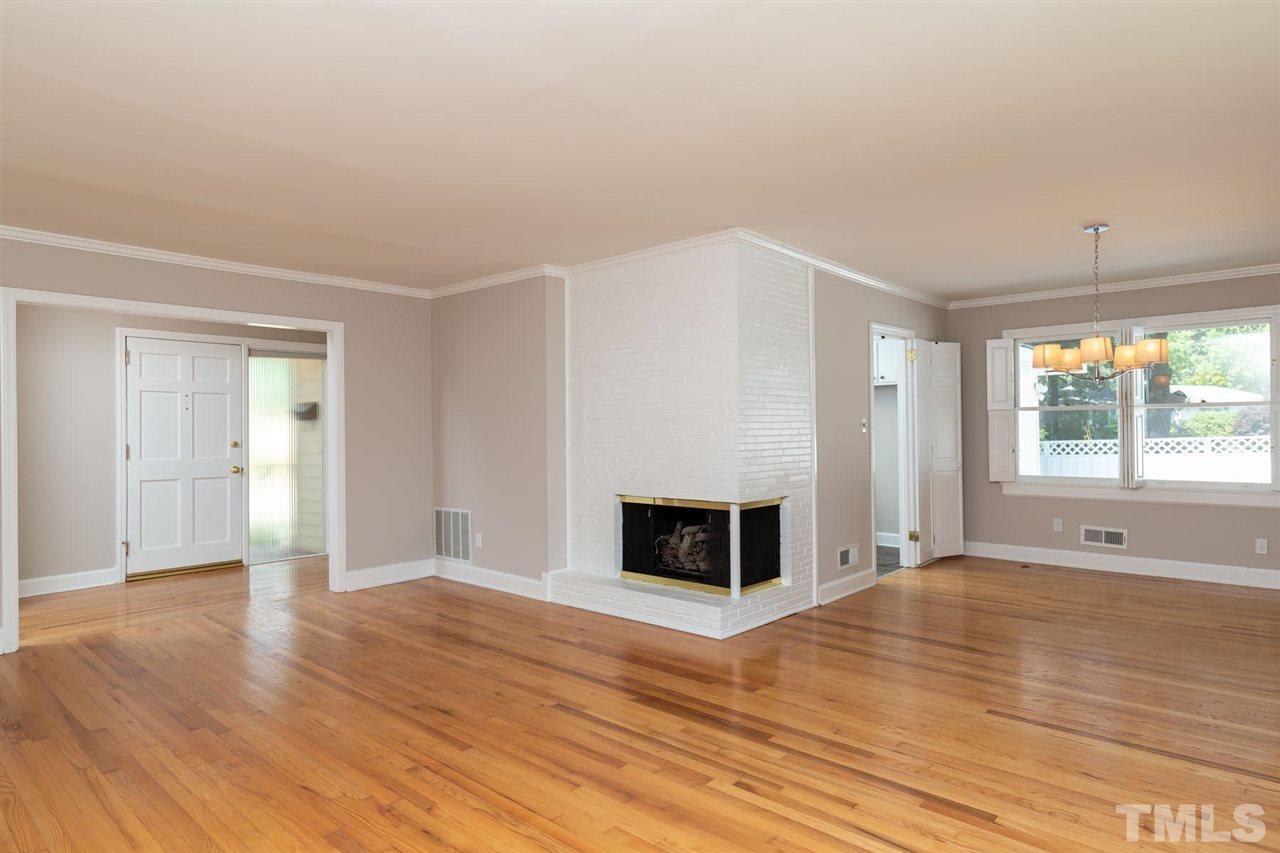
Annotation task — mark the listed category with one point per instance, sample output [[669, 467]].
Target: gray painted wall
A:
[[843, 312], [388, 376], [66, 431], [1204, 534], [498, 414], [490, 434]]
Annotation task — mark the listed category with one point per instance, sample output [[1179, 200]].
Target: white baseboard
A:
[[888, 540], [1128, 565], [67, 582], [491, 579], [392, 573], [840, 587]]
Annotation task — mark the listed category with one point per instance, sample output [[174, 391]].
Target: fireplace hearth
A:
[[690, 543]]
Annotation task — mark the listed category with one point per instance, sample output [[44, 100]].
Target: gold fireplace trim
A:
[[693, 504], [698, 587]]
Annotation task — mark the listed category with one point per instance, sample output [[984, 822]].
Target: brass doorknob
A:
[[236, 469]]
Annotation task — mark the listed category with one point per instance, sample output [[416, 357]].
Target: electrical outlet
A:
[[1057, 525], [479, 541], [1260, 545]]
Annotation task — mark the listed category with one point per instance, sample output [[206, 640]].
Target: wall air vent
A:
[[847, 557], [453, 534], [1104, 537]]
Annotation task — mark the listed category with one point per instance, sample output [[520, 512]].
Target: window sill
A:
[[1261, 497]]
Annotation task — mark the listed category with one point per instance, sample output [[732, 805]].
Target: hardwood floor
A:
[[971, 704]]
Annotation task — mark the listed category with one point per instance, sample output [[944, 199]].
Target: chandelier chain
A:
[[1097, 288]]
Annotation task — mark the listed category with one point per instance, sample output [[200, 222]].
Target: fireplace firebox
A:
[[690, 543]]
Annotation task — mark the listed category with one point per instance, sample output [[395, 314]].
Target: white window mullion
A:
[[1275, 400], [1133, 420]]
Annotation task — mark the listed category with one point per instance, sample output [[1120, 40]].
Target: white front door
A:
[[185, 496], [937, 511]]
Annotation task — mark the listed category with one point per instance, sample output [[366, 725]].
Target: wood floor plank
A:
[[972, 704]]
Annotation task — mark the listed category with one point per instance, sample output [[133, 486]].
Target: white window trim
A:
[[1262, 496], [1157, 491]]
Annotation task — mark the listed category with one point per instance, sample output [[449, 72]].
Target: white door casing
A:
[[937, 506], [184, 411]]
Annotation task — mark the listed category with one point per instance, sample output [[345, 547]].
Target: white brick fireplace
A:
[[689, 378]]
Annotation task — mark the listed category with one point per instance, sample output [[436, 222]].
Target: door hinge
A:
[[125, 543], [126, 453], [913, 535], [911, 354], [126, 356]]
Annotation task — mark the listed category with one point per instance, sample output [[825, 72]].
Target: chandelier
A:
[[1099, 358]]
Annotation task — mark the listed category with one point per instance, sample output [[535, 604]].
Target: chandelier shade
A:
[[1126, 357], [1046, 356], [1094, 350], [1153, 351]]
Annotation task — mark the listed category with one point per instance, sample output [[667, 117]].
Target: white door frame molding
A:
[[245, 343], [906, 444], [335, 443]]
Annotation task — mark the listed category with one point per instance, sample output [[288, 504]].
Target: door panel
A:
[[948, 496], [939, 505], [210, 505], [184, 505], [159, 367], [206, 369], [918, 363], [159, 515], [211, 427], [161, 411]]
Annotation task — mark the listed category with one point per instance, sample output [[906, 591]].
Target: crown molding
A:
[[1117, 286], [27, 235], [45, 238], [500, 278], [838, 269], [701, 242], [729, 235], [746, 236]]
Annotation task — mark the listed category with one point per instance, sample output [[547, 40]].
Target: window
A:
[[1207, 414], [1205, 421], [1067, 426]]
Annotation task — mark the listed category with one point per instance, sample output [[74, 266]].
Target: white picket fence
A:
[[1223, 458]]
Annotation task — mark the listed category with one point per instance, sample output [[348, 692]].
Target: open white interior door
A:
[[937, 528], [184, 457]]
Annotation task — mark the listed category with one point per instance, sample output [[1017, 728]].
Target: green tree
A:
[[1206, 422]]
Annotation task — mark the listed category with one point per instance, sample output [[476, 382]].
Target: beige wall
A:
[[842, 312], [66, 431], [498, 413], [1203, 534], [388, 376]]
